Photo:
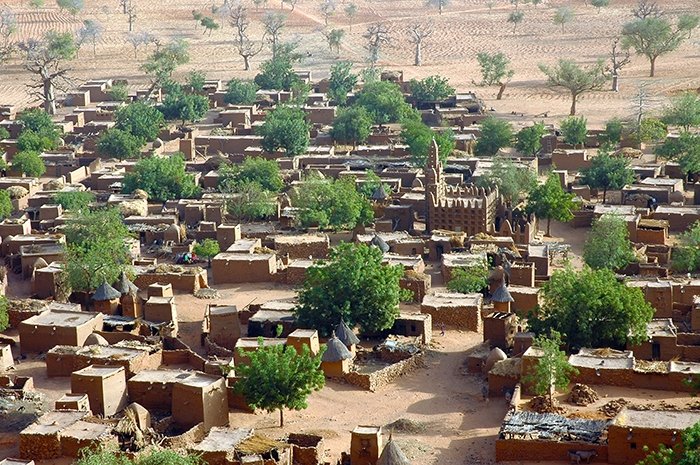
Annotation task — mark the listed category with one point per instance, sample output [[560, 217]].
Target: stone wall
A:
[[380, 378]]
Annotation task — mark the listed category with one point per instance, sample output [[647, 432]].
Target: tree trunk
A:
[[281, 418], [246, 62], [49, 97], [440, 6], [501, 90], [615, 82], [605, 194], [572, 111], [549, 224], [94, 49], [419, 54], [653, 66]]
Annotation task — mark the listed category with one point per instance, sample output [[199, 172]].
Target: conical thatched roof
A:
[[345, 334], [392, 455], [105, 292], [380, 244], [125, 286], [335, 351], [502, 295]]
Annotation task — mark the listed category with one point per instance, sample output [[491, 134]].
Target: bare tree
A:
[[131, 15], [247, 49], [440, 4], [377, 36], [140, 38], [417, 33], [90, 32], [124, 4], [647, 9], [273, 24], [292, 3], [350, 12], [45, 58], [618, 60], [8, 26], [327, 9], [334, 37]]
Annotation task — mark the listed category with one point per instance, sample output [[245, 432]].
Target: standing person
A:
[[485, 392], [442, 329]]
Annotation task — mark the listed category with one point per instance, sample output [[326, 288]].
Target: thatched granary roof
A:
[[335, 351], [380, 243], [105, 292], [125, 286], [502, 295], [345, 334], [392, 455]]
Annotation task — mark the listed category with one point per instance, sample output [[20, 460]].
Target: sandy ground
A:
[[464, 29]]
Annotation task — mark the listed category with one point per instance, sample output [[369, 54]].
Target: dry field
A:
[[465, 28]]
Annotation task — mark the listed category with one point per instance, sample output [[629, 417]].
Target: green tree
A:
[[341, 81], [209, 25], [331, 204], [419, 139], [529, 140], [118, 93], [38, 121], [608, 244], [371, 183], [285, 127], [29, 140], [278, 378], [385, 102], [119, 144], [5, 205], [278, 72], [513, 182], [613, 132], [550, 201], [265, 173], [591, 308], [686, 253], [574, 130], [163, 62], [495, 134], [553, 369], [208, 248], [196, 81], [654, 37], [608, 172], [495, 69], [685, 150], [4, 316], [351, 286], [95, 249], [686, 454], [36, 3], [29, 163], [241, 92], [575, 78], [516, 17], [470, 279], [162, 178], [652, 130], [683, 112], [4, 134], [184, 107], [563, 16], [431, 89], [598, 4], [140, 120], [352, 125], [334, 37], [74, 200], [153, 456], [71, 6], [250, 201]]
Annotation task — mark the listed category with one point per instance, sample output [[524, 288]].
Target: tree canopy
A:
[[552, 368], [265, 173], [529, 140], [550, 201], [419, 139], [685, 150], [495, 134], [575, 78], [331, 204], [285, 127], [352, 125], [278, 72], [431, 89], [277, 377], [683, 112], [5, 205], [341, 82], [514, 182], [574, 130], [140, 120], [39, 132], [385, 102], [251, 201], [163, 62], [29, 163], [95, 249], [591, 308], [74, 200], [608, 244], [607, 172], [495, 69], [351, 286], [686, 253], [240, 92], [655, 36], [183, 106], [162, 178], [470, 279], [119, 144]]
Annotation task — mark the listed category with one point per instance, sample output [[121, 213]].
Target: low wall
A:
[[380, 378], [632, 379], [189, 283], [517, 450]]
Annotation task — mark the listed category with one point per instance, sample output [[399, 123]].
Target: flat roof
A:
[[463, 259], [252, 342], [97, 370], [603, 359], [244, 257], [160, 376], [54, 422], [301, 239], [86, 430], [273, 315], [686, 210], [657, 419], [452, 299], [199, 379], [278, 305], [223, 439], [221, 310], [63, 318], [303, 333]]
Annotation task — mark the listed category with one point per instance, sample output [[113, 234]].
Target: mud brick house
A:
[[64, 360], [223, 446], [69, 401], [302, 245], [666, 343], [304, 337], [57, 327], [250, 344], [570, 160], [243, 268], [452, 261], [414, 324], [499, 329], [679, 218], [83, 434], [15, 226], [457, 310], [153, 389], [222, 325], [42, 439], [269, 316], [104, 386], [200, 398]]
